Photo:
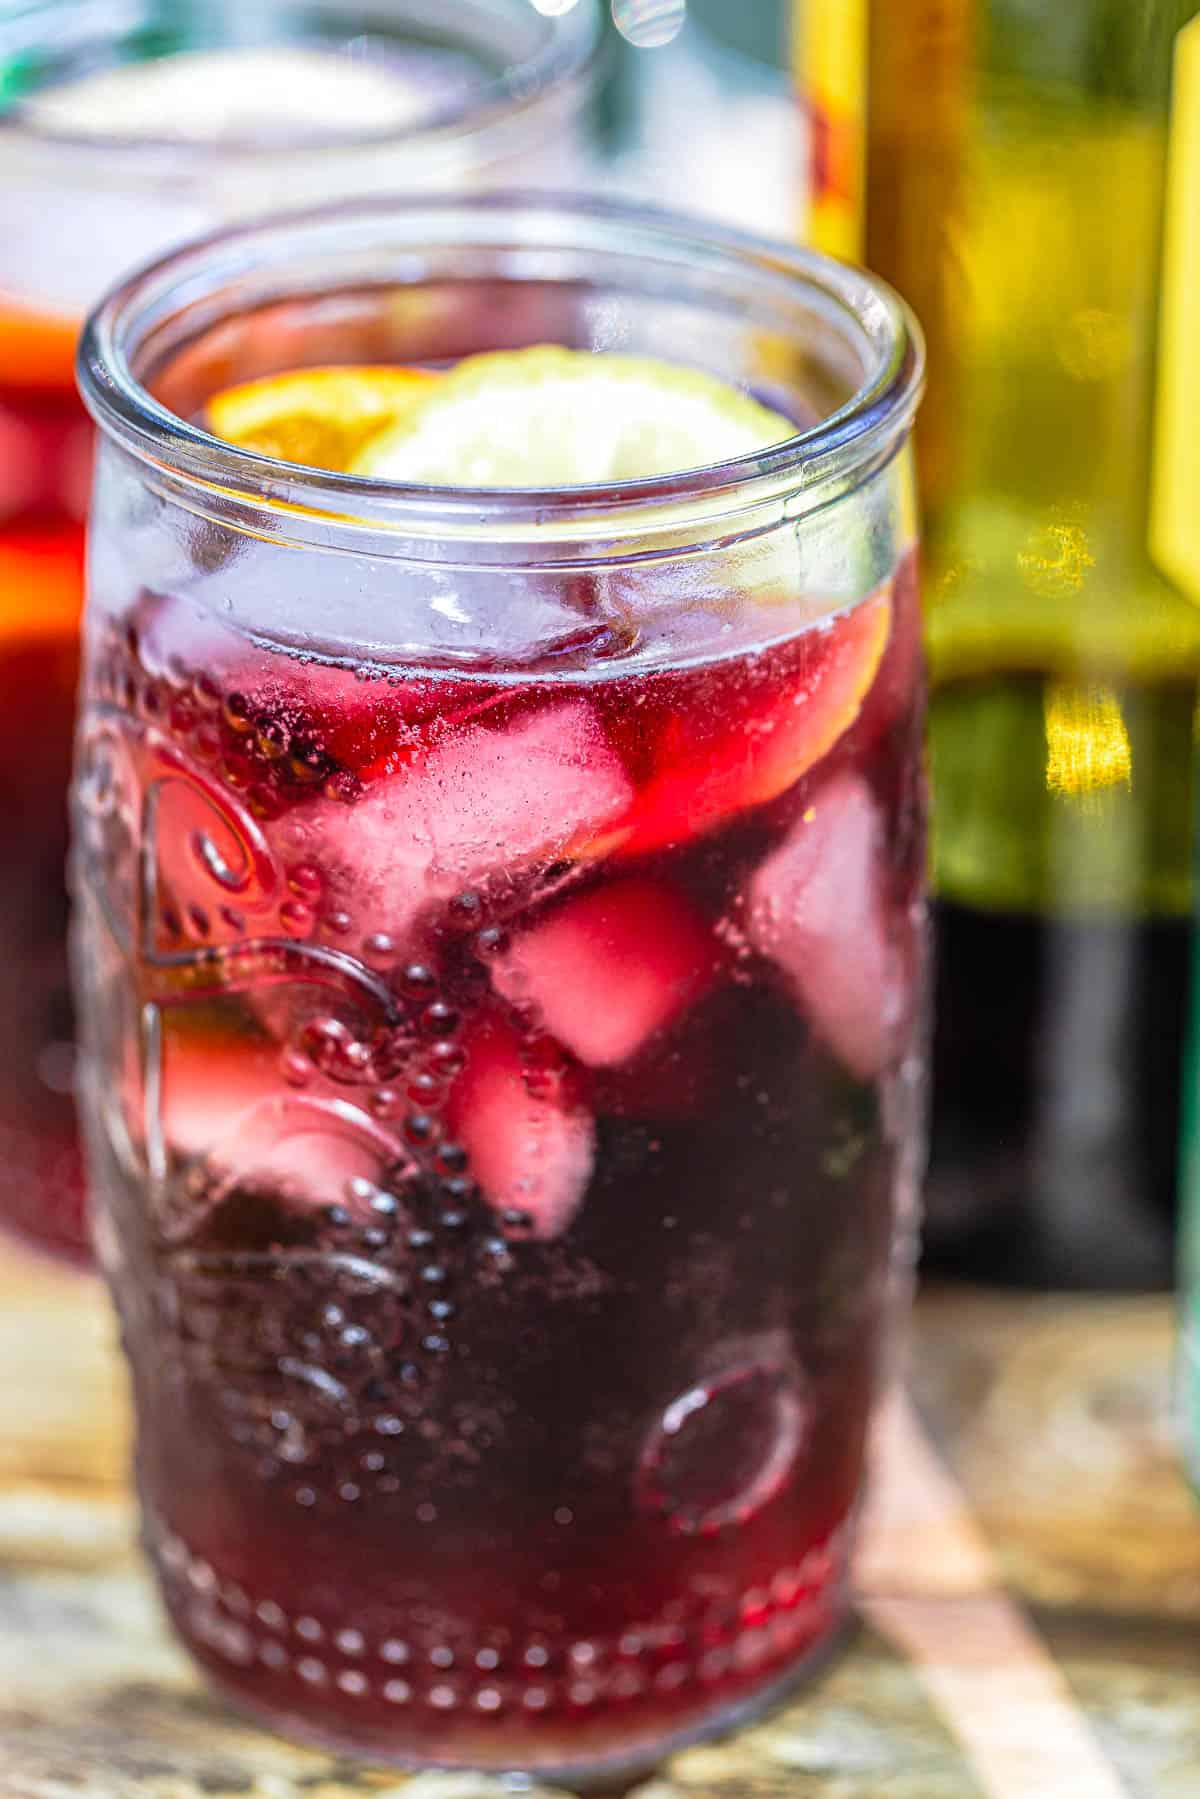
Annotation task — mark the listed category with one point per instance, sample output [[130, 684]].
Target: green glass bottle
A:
[[1187, 1363], [1014, 168]]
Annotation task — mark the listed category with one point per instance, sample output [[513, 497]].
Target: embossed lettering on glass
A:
[[500, 957]]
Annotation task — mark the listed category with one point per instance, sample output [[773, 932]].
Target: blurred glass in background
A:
[[706, 115], [1013, 167], [125, 126]]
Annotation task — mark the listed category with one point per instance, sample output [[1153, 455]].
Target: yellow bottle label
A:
[[830, 48], [1175, 498]]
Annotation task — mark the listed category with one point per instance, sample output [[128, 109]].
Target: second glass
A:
[[121, 132], [500, 952]]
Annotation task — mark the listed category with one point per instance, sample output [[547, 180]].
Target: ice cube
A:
[[482, 801], [308, 1150], [225, 1101], [609, 970], [816, 908], [530, 1152]]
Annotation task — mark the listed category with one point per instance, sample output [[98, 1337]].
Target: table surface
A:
[[1030, 1581]]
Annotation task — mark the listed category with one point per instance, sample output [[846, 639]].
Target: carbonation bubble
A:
[[724, 1449], [296, 918], [649, 24]]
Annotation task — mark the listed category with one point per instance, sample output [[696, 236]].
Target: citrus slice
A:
[[550, 417], [759, 731], [320, 417]]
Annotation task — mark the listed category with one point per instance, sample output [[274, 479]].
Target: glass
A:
[[1007, 165], [217, 111], [499, 951]]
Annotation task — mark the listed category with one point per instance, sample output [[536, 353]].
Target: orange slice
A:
[[319, 417], [750, 745]]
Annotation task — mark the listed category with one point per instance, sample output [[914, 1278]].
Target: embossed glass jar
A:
[[499, 950]]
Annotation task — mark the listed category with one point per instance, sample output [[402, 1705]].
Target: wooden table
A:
[[1031, 1581]]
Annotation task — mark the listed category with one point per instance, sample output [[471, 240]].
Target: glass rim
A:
[[562, 65], [795, 476]]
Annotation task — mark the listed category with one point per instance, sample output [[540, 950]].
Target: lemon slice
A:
[[320, 417], [551, 417]]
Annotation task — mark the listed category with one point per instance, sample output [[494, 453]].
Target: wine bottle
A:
[[1029, 177]]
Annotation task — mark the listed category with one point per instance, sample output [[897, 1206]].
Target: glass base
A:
[[603, 1773], [334, 1689]]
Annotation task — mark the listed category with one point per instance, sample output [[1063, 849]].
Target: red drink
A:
[[118, 136], [501, 1085], [45, 456]]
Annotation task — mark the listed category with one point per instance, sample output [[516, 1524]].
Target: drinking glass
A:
[[123, 130], [499, 950]]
